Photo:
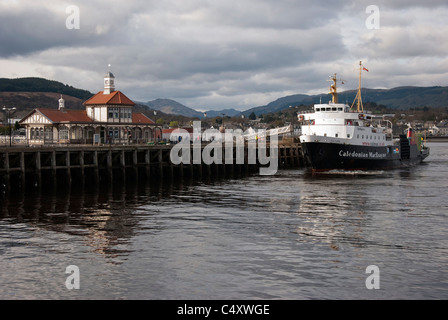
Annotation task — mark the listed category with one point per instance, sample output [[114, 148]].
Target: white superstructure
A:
[[335, 123], [338, 123]]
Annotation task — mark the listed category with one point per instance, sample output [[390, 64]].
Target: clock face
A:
[[111, 81], [106, 82]]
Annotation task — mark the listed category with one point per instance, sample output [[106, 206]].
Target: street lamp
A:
[[222, 129], [155, 128], [205, 119], [9, 110]]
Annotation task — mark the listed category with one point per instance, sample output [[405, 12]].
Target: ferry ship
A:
[[341, 137]]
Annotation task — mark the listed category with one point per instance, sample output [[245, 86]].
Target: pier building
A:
[[108, 117]]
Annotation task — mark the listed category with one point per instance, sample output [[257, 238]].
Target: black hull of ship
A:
[[321, 156]]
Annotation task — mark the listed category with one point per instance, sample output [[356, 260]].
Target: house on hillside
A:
[[108, 118], [439, 129]]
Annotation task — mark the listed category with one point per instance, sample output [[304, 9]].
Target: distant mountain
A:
[[28, 93], [225, 112], [279, 104], [169, 106], [408, 97], [396, 98]]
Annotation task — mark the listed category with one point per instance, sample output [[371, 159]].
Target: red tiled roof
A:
[[177, 130], [141, 118], [115, 98], [56, 115]]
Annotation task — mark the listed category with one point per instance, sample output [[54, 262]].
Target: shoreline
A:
[[437, 139]]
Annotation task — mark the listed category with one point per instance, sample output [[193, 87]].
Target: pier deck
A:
[[53, 165]]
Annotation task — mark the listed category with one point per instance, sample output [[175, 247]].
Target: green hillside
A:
[[42, 85]]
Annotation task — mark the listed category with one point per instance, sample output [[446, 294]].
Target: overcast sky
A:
[[216, 54]]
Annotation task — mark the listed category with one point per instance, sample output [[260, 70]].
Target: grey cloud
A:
[[223, 52]]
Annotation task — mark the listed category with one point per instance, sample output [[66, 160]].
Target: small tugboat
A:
[[341, 137]]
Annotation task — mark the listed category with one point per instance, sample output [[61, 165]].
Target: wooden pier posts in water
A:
[[22, 167]]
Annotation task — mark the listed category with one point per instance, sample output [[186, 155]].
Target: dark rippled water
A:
[[289, 236]]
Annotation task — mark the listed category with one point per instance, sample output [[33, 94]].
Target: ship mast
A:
[[358, 99], [333, 88]]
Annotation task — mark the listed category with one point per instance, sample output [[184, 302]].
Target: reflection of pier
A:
[[39, 166]]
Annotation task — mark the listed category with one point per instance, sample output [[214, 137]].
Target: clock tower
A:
[[109, 85]]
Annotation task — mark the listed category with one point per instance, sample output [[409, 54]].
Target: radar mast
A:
[[333, 88]]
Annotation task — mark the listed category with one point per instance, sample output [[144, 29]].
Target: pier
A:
[[40, 166]]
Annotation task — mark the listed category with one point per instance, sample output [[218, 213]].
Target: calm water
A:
[[289, 236]]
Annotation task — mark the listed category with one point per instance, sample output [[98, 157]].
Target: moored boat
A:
[[339, 136]]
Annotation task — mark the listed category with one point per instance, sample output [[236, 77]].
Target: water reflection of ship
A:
[[332, 218]]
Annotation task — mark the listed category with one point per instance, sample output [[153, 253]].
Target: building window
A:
[[48, 134], [63, 133], [113, 113]]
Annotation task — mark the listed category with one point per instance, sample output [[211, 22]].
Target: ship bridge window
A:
[[317, 109], [328, 109], [339, 109], [333, 109]]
